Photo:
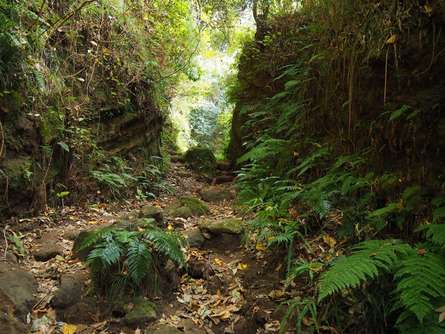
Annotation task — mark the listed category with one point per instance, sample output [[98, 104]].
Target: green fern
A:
[[368, 260], [420, 279], [107, 252], [140, 261], [435, 233], [167, 244], [121, 260]]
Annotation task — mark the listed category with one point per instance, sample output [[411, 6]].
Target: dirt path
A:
[[229, 288]]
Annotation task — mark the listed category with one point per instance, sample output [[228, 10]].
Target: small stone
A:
[[143, 311], [48, 247], [47, 252], [194, 237], [229, 226]]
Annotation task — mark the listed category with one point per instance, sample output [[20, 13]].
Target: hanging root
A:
[[386, 77]]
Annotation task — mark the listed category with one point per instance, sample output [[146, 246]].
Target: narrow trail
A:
[[228, 288]]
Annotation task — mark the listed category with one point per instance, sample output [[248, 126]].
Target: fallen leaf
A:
[[69, 329], [428, 9], [218, 261], [243, 266], [260, 247], [329, 241], [392, 39], [276, 294]]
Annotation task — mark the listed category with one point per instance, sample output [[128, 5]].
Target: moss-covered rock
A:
[[217, 194], [194, 237], [180, 212], [229, 226], [197, 206], [151, 211], [142, 311], [187, 207], [201, 159]]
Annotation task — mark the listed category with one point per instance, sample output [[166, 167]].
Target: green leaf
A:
[[64, 146]]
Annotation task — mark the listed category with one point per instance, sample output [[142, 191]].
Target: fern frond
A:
[[167, 244], [368, 260], [140, 261], [435, 233], [92, 237], [108, 253], [421, 279]]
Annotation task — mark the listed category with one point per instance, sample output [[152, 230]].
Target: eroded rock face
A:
[[229, 226]]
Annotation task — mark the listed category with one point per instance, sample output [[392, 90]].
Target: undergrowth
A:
[[330, 159], [123, 261]]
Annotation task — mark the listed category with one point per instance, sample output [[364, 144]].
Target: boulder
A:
[[48, 247], [217, 194], [142, 311], [151, 211], [194, 237], [18, 287], [70, 290], [229, 226], [201, 159]]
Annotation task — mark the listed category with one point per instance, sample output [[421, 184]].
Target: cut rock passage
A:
[[226, 288]]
